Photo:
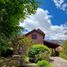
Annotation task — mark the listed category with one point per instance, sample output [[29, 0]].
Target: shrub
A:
[[3, 53], [38, 52], [63, 53], [25, 43], [43, 63], [7, 53]]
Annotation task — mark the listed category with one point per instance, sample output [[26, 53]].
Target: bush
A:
[[63, 53], [38, 52], [63, 56], [43, 63], [7, 53], [25, 43]]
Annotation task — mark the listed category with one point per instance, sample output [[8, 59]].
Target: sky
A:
[[51, 18], [59, 14]]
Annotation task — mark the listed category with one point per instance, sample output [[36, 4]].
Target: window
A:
[[34, 36]]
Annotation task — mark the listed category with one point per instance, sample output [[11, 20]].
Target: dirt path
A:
[[58, 62]]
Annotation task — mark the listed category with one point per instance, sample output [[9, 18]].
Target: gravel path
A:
[[58, 62]]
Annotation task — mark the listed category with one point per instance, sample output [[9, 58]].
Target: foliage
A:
[[63, 54], [7, 53], [8, 62], [22, 45], [39, 52], [42, 56], [43, 63], [10, 13], [3, 44], [25, 43]]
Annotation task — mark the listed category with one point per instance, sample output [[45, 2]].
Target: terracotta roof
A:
[[38, 31]]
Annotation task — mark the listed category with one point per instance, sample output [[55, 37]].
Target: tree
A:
[[11, 11], [25, 43], [23, 46]]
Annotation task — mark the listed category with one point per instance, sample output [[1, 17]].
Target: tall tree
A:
[[10, 13]]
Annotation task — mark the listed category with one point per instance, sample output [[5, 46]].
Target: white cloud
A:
[[64, 7], [41, 19], [57, 33], [60, 4]]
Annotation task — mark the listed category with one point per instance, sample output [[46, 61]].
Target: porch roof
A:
[[51, 44]]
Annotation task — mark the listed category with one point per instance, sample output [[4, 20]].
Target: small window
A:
[[34, 36]]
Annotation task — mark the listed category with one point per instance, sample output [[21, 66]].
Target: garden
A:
[[32, 55]]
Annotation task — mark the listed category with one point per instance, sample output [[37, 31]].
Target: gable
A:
[[38, 32], [34, 34]]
